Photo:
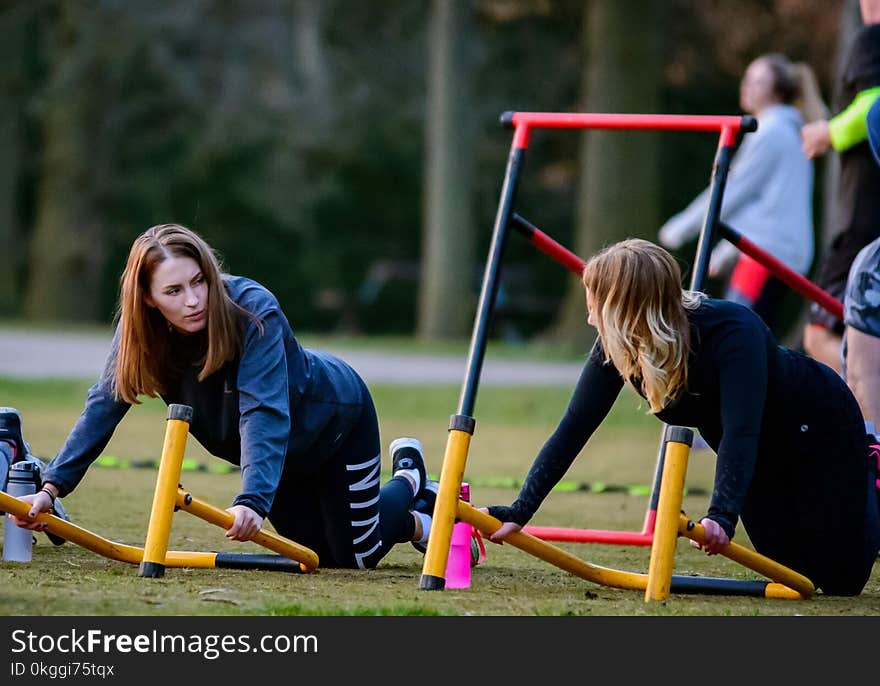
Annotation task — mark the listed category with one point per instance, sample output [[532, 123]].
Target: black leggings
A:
[[768, 303], [813, 504], [339, 511]]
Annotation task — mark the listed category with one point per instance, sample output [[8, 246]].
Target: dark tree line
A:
[[348, 154]]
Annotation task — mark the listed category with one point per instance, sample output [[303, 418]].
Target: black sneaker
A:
[[10, 431], [425, 503], [407, 453]]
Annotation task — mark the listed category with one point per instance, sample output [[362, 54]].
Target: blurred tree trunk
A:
[[310, 51], [9, 243], [17, 44], [11, 95], [67, 250], [618, 182], [445, 289]]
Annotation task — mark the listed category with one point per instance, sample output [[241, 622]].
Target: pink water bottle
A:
[[458, 565]]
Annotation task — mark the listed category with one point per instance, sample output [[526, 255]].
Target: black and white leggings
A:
[[340, 511]]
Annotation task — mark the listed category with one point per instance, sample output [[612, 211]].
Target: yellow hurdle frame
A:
[[168, 497], [162, 513], [657, 584]]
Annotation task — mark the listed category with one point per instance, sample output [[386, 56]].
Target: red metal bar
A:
[[521, 136], [727, 125], [728, 137], [548, 246], [566, 535], [784, 273], [659, 122], [562, 534], [799, 283]]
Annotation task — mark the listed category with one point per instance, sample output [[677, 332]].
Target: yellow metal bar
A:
[[550, 553], [97, 544], [186, 558], [307, 558], [604, 576], [780, 592], [162, 512], [749, 558], [451, 474], [668, 508]]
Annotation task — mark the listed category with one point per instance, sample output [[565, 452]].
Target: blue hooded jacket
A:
[[277, 407]]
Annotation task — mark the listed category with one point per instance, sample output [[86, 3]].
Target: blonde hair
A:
[[640, 313], [143, 356]]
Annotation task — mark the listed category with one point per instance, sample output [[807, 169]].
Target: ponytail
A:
[[809, 99], [796, 84]]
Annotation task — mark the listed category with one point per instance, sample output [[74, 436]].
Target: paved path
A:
[[45, 354]]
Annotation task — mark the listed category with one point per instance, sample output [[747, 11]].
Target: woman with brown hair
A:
[[792, 454], [300, 423], [769, 194]]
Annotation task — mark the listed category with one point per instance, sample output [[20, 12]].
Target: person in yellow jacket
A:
[[857, 219]]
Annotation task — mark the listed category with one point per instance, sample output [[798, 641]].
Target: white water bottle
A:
[[17, 542]]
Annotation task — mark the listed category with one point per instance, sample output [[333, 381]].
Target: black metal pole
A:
[[717, 184], [710, 223], [491, 278]]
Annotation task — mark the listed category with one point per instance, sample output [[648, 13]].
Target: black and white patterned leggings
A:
[[340, 511]]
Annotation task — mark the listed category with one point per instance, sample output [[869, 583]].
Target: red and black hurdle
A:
[[462, 423]]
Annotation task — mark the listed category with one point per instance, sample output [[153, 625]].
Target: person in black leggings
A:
[[300, 423], [856, 219], [792, 453], [338, 509]]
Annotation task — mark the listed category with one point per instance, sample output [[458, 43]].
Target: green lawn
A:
[[511, 426]]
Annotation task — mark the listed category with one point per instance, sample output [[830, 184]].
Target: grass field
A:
[[511, 426]]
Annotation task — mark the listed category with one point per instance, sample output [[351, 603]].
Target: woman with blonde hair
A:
[[300, 423], [792, 454]]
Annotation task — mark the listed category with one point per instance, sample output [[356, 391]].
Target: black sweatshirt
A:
[[741, 388]]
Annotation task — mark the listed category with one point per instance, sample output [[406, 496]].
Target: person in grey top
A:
[[769, 193], [300, 423]]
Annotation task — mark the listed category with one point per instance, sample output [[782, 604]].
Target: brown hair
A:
[[143, 354], [640, 315], [795, 83]]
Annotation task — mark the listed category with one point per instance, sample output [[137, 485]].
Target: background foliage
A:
[[292, 135]]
